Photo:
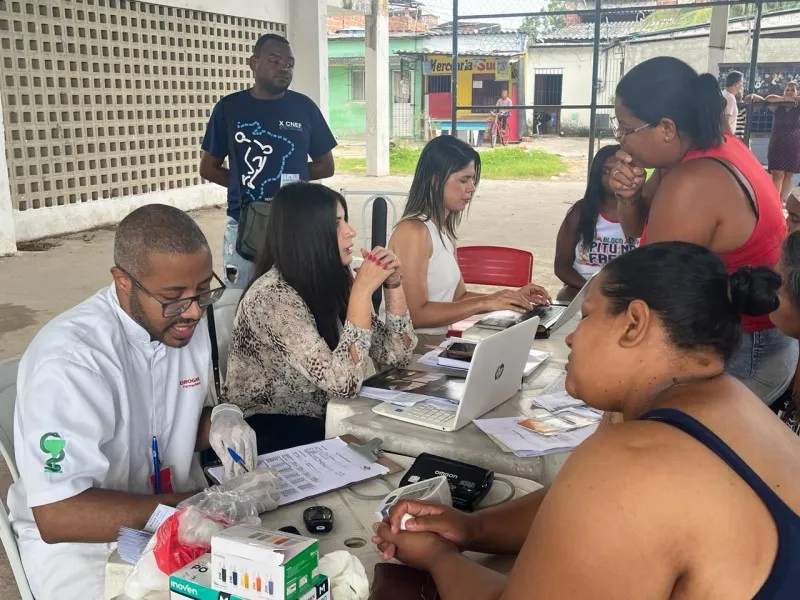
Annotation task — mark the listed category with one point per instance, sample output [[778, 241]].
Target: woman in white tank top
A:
[[591, 236], [447, 174]]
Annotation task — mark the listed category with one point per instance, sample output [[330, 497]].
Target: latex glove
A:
[[230, 430], [260, 486]]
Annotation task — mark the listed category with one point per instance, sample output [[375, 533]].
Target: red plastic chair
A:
[[495, 265]]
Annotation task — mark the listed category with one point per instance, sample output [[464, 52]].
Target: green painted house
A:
[[347, 102]]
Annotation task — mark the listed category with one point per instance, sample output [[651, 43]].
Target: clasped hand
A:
[[627, 178], [435, 531]]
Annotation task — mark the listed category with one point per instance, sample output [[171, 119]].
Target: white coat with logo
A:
[[92, 391]]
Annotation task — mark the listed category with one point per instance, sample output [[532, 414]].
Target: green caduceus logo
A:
[[53, 444]]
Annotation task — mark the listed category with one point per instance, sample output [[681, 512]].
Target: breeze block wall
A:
[[105, 99]]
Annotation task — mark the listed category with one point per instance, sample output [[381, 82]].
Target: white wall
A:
[[41, 222], [306, 26], [695, 50], [8, 238], [576, 63], [268, 10], [58, 220]]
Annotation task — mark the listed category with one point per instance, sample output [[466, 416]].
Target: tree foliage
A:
[[538, 26]]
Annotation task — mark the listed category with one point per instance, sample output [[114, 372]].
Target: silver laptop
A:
[[494, 376], [551, 317]]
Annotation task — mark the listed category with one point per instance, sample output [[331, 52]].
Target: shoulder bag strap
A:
[[230, 130], [212, 333]]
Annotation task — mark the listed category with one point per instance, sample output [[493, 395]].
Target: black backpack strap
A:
[[230, 130], [212, 333]]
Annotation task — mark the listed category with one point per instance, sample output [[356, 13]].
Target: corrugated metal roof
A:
[[357, 61], [584, 32], [499, 53]]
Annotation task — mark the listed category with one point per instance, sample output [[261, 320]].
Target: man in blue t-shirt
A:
[[273, 131]]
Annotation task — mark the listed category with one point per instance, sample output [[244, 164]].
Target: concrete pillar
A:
[[377, 89], [717, 38], [8, 238], [309, 38]]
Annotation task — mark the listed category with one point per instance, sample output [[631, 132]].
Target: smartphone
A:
[[459, 351]]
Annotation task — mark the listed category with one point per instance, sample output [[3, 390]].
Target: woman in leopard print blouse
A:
[[305, 330]]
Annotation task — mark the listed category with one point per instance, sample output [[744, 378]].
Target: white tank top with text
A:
[[609, 243]]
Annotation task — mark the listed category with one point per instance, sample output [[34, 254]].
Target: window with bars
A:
[[438, 84], [357, 85]]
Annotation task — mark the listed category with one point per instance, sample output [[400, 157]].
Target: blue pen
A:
[[156, 466], [238, 459]]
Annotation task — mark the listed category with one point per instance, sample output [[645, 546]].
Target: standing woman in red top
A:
[[708, 188]]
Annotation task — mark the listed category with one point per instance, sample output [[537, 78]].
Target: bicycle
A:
[[497, 132]]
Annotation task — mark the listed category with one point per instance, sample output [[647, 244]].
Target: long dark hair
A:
[[593, 197], [668, 88], [302, 243], [440, 158], [688, 287]]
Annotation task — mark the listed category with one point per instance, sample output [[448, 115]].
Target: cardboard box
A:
[[256, 564], [194, 581]]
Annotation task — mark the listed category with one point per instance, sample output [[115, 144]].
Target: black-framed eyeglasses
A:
[[620, 132], [173, 308]]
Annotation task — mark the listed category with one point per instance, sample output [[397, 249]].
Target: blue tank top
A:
[[783, 582]]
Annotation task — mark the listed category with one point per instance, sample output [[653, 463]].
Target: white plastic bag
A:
[[239, 501], [347, 576]]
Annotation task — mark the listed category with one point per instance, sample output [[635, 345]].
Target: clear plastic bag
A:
[[187, 534]]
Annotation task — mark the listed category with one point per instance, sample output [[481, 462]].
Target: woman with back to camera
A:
[[591, 235], [694, 495], [783, 152], [708, 189], [304, 330], [445, 180]]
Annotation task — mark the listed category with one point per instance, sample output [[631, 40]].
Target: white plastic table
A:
[[469, 444], [353, 519]]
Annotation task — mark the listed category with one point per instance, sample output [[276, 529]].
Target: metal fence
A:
[[547, 102]]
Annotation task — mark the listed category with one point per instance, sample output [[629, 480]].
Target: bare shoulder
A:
[[625, 461], [697, 183], [411, 233]]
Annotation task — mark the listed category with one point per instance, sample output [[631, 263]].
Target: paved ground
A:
[[53, 275]]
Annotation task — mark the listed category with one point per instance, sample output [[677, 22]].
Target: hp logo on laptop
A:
[[499, 373]]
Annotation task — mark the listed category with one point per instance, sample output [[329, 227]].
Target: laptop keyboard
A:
[[544, 313], [424, 412]]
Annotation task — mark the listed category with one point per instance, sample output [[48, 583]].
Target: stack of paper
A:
[[434, 358], [132, 542], [313, 469], [557, 423], [405, 387], [523, 443]]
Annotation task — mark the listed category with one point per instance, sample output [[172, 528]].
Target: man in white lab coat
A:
[[104, 384]]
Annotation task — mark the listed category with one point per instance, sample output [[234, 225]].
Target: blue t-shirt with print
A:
[[272, 139]]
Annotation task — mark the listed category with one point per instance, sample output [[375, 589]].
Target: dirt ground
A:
[[49, 276]]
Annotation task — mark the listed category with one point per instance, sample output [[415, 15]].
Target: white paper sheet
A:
[[314, 469], [526, 443], [556, 402], [160, 514]]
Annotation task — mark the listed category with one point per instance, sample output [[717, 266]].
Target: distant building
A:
[[560, 63]]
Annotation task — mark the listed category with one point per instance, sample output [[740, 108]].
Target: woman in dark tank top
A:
[[694, 495]]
